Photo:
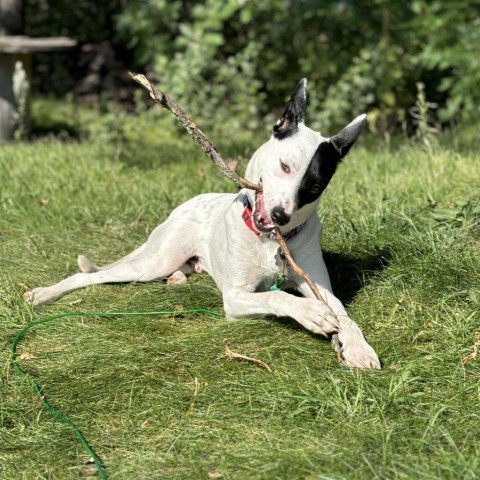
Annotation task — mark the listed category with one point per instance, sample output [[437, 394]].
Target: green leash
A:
[[38, 389], [279, 279]]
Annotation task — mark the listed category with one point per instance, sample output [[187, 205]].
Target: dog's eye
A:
[[315, 189], [284, 166]]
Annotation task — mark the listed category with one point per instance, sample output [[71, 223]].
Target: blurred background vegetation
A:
[[231, 63]]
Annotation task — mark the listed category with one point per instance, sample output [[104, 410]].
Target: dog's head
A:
[[295, 166]]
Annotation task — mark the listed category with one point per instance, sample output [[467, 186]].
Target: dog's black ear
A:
[[344, 140], [294, 113]]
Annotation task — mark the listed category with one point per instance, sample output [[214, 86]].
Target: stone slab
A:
[[22, 44]]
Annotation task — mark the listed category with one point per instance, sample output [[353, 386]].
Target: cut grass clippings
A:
[[156, 397]]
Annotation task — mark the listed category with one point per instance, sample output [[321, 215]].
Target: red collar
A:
[[247, 216]]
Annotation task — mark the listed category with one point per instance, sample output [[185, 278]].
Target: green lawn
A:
[[157, 398]]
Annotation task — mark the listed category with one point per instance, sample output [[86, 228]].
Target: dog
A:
[[231, 237]]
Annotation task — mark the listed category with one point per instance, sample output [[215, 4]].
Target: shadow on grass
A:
[[350, 273], [63, 130]]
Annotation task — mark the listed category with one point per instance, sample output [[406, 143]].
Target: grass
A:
[[157, 398]]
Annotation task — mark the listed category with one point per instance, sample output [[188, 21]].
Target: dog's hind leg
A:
[[135, 270], [172, 247], [176, 278], [158, 258]]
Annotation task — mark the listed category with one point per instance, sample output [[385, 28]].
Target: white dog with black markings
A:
[[230, 237]]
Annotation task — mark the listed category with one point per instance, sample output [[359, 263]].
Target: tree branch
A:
[[165, 101], [296, 268]]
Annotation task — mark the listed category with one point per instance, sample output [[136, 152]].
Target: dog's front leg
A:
[[355, 350], [312, 314]]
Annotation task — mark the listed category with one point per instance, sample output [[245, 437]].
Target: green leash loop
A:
[[38, 389], [279, 279]]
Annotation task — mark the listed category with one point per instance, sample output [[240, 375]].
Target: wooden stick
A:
[[239, 356], [207, 146], [165, 101], [298, 270]]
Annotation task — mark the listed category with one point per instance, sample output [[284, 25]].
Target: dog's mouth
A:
[[260, 216]]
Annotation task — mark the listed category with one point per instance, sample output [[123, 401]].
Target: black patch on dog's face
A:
[[319, 172]]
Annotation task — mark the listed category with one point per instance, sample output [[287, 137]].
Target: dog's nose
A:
[[279, 216]]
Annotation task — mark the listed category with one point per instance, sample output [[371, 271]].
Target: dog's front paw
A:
[[360, 355], [317, 317]]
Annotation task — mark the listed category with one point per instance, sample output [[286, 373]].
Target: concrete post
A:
[[11, 23], [7, 99]]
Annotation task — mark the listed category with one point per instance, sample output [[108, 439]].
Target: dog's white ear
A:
[[344, 140], [294, 113]]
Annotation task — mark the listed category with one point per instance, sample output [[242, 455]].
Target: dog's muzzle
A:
[[260, 216]]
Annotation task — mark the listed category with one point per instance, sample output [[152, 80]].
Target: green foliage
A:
[[84, 20], [148, 27], [218, 57], [198, 58], [422, 117], [448, 44], [232, 62]]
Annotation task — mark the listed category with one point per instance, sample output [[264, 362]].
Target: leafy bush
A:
[[231, 62], [448, 41], [245, 57]]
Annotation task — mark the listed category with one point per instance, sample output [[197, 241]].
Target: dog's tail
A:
[[86, 265]]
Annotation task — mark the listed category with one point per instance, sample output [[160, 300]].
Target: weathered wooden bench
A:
[[15, 49]]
